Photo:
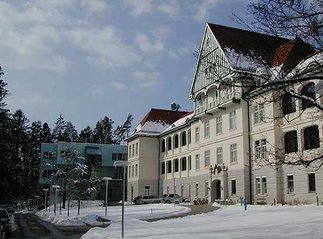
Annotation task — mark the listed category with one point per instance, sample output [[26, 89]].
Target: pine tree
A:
[[59, 129], [86, 135], [122, 131], [70, 133], [46, 134]]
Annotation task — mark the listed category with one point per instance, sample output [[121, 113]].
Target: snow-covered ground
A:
[[226, 223]]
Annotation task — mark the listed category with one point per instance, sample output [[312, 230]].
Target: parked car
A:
[[170, 198], [145, 199], [5, 223]]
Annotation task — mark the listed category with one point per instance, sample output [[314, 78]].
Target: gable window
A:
[[163, 145], [290, 184], [233, 153], [207, 129], [207, 158], [183, 138], [176, 141], [218, 129], [169, 143], [311, 182], [176, 165], [308, 91], [288, 103], [233, 186], [183, 163], [260, 149], [197, 134], [258, 113], [219, 155], [291, 144], [169, 166], [232, 120], [311, 137]]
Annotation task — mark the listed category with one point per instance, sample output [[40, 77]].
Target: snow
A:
[[179, 122], [151, 128], [229, 222]]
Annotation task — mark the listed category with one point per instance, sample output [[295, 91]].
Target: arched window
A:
[[291, 144], [183, 138], [183, 164], [309, 91], [311, 137]]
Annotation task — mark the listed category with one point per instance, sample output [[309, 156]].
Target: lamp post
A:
[[45, 205], [106, 179], [174, 191], [210, 186], [122, 164]]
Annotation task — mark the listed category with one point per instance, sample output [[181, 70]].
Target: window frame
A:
[[232, 120]]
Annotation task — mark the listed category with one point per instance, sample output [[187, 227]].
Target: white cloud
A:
[[147, 79], [104, 46], [183, 50], [119, 85], [94, 5], [147, 45], [202, 9], [139, 8], [170, 8]]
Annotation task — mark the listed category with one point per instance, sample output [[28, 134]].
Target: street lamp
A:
[[122, 164], [45, 190], [210, 186], [106, 179]]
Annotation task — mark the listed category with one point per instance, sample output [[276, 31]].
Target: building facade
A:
[[255, 131], [98, 158]]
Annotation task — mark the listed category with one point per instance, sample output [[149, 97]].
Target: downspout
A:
[[250, 155], [158, 158]]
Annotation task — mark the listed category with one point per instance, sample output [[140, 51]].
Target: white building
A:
[[246, 128]]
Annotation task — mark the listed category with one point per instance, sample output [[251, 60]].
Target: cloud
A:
[[147, 45], [147, 79], [104, 46], [119, 85], [170, 8], [139, 8], [183, 50], [94, 5], [202, 9]]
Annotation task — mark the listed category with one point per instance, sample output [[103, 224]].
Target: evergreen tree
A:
[[59, 129], [70, 133], [46, 134], [86, 135], [103, 131], [122, 131]]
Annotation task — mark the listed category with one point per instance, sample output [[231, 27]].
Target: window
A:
[[189, 136], [260, 149], [219, 155], [232, 120], [206, 188], [290, 184], [147, 190], [133, 150], [136, 148], [233, 153], [311, 137], [169, 143], [48, 155], [289, 104], [129, 151], [136, 172], [196, 190], [169, 166], [129, 172], [311, 182], [218, 124], [163, 168], [176, 165], [197, 162], [189, 162], [258, 113], [197, 134], [176, 141], [290, 140], [207, 129], [207, 158], [133, 171], [233, 186], [258, 186], [308, 91], [183, 163], [264, 185], [163, 145], [183, 138]]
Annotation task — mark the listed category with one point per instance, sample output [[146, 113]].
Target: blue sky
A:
[[86, 59]]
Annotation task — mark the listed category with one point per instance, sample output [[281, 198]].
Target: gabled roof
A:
[[271, 50], [157, 120]]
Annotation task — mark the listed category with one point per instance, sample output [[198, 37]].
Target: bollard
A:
[[241, 201], [317, 201]]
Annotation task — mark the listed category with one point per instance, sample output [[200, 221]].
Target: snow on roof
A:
[[179, 122]]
